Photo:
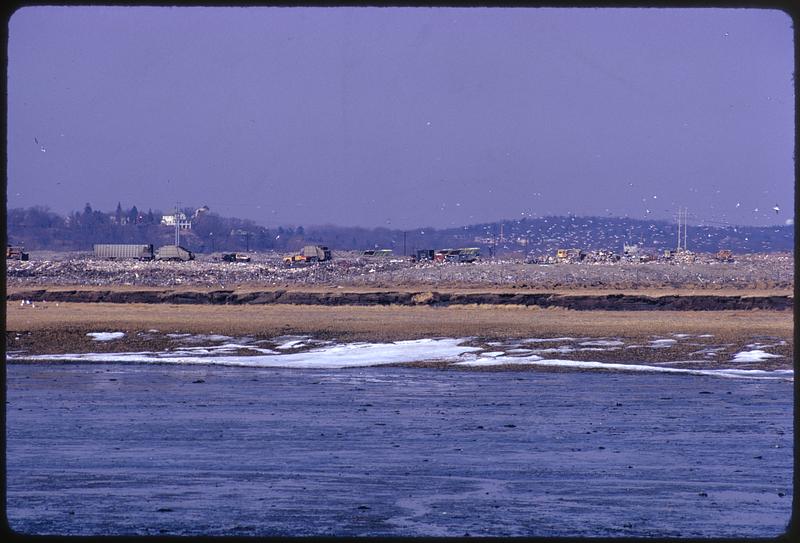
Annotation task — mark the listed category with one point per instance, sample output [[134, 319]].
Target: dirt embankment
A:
[[595, 301]]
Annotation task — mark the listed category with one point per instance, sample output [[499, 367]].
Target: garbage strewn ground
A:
[[747, 272]]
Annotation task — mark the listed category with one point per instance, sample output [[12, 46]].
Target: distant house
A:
[[199, 211], [179, 218]]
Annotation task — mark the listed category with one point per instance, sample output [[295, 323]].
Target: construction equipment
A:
[[469, 254], [175, 253], [16, 253], [123, 250], [425, 254], [725, 255], [235, 257], [316, 253], [466, 254], [294, 260], [309, 255], [570, 255]]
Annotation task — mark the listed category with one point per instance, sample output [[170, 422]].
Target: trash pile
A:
[[748, 271]]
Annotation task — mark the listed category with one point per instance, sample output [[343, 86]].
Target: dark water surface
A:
[[95, 449]]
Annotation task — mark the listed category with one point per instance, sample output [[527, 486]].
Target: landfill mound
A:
[[773, 271]]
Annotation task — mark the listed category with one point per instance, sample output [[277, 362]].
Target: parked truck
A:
[[174, 252], [16, 253], [124, 250], [465, 254], [308, 255]]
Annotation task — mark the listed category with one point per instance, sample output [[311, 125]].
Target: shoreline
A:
[[574, 299], [58, 327]]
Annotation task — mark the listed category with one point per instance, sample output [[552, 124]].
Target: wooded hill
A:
[[38, 228]]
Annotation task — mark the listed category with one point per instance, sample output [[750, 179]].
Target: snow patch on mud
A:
[[332, 357], [756, 355], [106, 336]]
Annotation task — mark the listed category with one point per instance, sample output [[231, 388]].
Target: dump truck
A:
[[725, 255], [174, 252], [425, 254], [14, 252], [465, 254], [124, 250], [316, 253], [235, 257], [308, 255]]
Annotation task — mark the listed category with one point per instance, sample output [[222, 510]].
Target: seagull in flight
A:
[[776, 209]]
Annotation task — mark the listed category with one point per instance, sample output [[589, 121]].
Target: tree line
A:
[[39, 228]]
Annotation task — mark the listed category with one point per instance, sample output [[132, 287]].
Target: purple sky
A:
[[404, 117]]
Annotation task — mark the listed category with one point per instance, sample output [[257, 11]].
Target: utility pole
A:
[[679, 229], [685, 227], [404, 243], [177, 226]]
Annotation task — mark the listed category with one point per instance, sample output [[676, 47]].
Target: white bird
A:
[[776, 209]]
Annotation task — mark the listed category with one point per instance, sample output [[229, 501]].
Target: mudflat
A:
[[55, 327]]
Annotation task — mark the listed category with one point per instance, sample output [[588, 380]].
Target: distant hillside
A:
[[544, 235], [40, 229]]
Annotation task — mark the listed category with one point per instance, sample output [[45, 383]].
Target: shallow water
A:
[[109, 449]]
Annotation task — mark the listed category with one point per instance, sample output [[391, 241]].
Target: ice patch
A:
[[602, 343], [105, 336], [547, 339], [662, 343], [577, 364], [292, 342], [203, 337], [709, 351], [756, 355], [493, 353], [561, 349], [213, 350], [764, 345], [334, 357]]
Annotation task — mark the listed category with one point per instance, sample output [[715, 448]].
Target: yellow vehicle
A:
[[308, 255], [295, 260], [725, 255]]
